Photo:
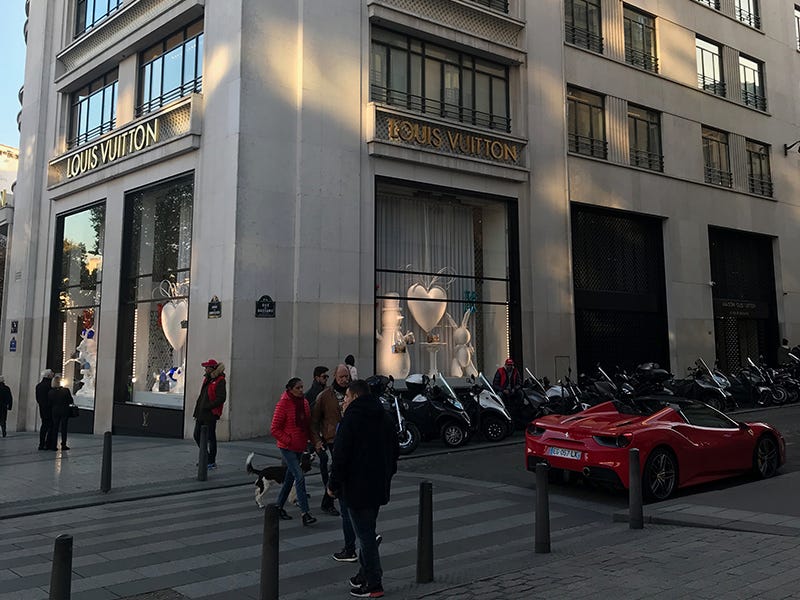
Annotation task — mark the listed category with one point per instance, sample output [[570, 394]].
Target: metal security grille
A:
[[618, 274]]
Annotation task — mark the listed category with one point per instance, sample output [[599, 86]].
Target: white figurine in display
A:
[[392, 356], [87, 358], [461, 365]]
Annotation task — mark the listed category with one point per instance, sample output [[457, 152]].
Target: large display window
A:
[[154, 310], [443, 286], [75, 305]]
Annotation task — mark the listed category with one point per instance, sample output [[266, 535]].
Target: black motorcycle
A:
[[701, 384], [432, 405], [408, 434], [487, 411]]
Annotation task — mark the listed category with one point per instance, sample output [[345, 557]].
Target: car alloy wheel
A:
[[453, 434], [660, 475], [766, 457]]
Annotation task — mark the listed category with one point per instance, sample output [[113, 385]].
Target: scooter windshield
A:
[[440, 382]]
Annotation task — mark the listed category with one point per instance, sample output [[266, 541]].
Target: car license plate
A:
[[564, 453]]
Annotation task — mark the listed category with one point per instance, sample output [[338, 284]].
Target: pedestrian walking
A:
[[6, 402], [350, 361], [208, 408], [45, 409], [317, 386], [783, 352], [365, 459], [60, 401], [291, 429]]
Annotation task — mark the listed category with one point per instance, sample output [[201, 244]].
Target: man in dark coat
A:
[[6, 402], [365, 459], [317, 386], [208, 408], [45, 409]]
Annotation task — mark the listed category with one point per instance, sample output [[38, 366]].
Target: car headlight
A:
[[534, 429], [613, 441]]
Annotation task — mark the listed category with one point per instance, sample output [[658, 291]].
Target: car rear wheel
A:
[[765, 457], [660, 479]]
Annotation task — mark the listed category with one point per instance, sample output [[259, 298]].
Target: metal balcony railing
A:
[[582, 144], [501, 5], [640, 59], [646, 160], [583, 38], [190, 87], [759, 185], [745, 16], [755, 100], [710, 84], [718, 177]]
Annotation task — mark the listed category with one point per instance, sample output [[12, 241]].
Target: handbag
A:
[[74, 411]]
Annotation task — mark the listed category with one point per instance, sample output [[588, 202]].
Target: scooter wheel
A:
[[493, 428], [409, 439], [453, 434]]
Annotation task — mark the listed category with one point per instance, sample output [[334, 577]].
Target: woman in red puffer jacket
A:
[[291, 429]]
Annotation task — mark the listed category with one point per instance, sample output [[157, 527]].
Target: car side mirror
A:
[[743, 426]]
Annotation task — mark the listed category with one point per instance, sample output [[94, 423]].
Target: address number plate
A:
[[564, 453]]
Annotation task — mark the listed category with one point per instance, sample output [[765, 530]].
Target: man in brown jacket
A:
[[324, 420]]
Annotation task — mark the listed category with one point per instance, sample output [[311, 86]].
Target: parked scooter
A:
[[486, 410], [702, 385], [408, 434], [432, 405]]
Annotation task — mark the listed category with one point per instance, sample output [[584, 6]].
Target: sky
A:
[[12, 68]]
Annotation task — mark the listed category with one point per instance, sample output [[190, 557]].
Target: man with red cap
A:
[[507, 380], [208, 408]]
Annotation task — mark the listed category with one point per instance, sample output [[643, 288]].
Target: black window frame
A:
[[578, 141], [759, 172], [409, 66], [714, 83], [751, 15], [651, 157], [640, 53], [83, 23], [716, 170], [590, 36], [104, 88], [148, 102], [715, 4], [750, 90]]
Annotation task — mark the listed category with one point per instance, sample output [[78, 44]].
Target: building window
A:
[[88, 13], [747, 12], [154, 295], [797, 25], [585, 116], [751, 78], [93, 109], [431, 79], [171, 69], [710, 3], [501, 5], [644, 135], [716, 157], [582, 24], [759, 177], [640, 40], [709, 67], [77, 280]]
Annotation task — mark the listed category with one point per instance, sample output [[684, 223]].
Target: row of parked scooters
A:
[[437, 408]]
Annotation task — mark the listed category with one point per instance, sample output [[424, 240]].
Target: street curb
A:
[[706, 522]]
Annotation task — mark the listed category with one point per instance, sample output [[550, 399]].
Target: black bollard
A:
[[202, 461], [542, 532], [269, 555], [61, 575], [105, 471], [635, 511], [425, 533]]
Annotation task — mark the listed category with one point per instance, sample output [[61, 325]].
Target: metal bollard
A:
[[425, 533], [635, 510], [542, 532], [202, 461], [61, 575], [269, 555], [105, 471]]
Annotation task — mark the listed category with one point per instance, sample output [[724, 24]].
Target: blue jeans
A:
[[364, 521], [294, 476], [347, 527]]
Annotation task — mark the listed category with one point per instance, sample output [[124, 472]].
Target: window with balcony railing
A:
[[93, 109], [89, 13], [751, 77], [582, 25], [717, 169], [710, 3], [709, 67], [759, 176], [586, 132], [747, 12], [640, 40], [171, 69], [644, 135], [427, 78], [500, 5]]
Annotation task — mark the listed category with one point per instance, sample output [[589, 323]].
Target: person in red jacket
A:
[[208, 408], [291, 428]]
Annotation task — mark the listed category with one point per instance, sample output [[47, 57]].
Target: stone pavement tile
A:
[[146, 586], [157, 595], [29, 594], [99, 594]]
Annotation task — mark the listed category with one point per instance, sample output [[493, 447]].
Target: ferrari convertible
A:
[[681, 443]]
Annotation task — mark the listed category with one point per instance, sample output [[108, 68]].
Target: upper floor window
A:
[[431, 79], [759, 177], [716, 157], [582, 24], [586, 123], [797, 25], [644, 135], [89, 13], [93, 109], [747, 12], [171, 69], [501, 5], [640, 39], [710, 3], [751, 78], [709, 67]]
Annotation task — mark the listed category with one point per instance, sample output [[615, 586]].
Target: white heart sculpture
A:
[[172, 314], [426, 313]]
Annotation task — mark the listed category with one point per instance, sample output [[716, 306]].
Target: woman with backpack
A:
[[208, 408]]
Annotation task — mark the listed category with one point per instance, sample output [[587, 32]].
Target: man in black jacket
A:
[[45, 409], [365, 459], [6, 402]]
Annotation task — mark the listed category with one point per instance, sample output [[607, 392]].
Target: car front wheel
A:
[[660, 479], [765, 457]]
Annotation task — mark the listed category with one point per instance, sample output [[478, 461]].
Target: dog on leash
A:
[[275, 474]]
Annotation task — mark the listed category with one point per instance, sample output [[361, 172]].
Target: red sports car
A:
[[681, 443]]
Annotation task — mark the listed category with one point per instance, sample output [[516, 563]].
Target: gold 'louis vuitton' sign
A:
[[112, 148]]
